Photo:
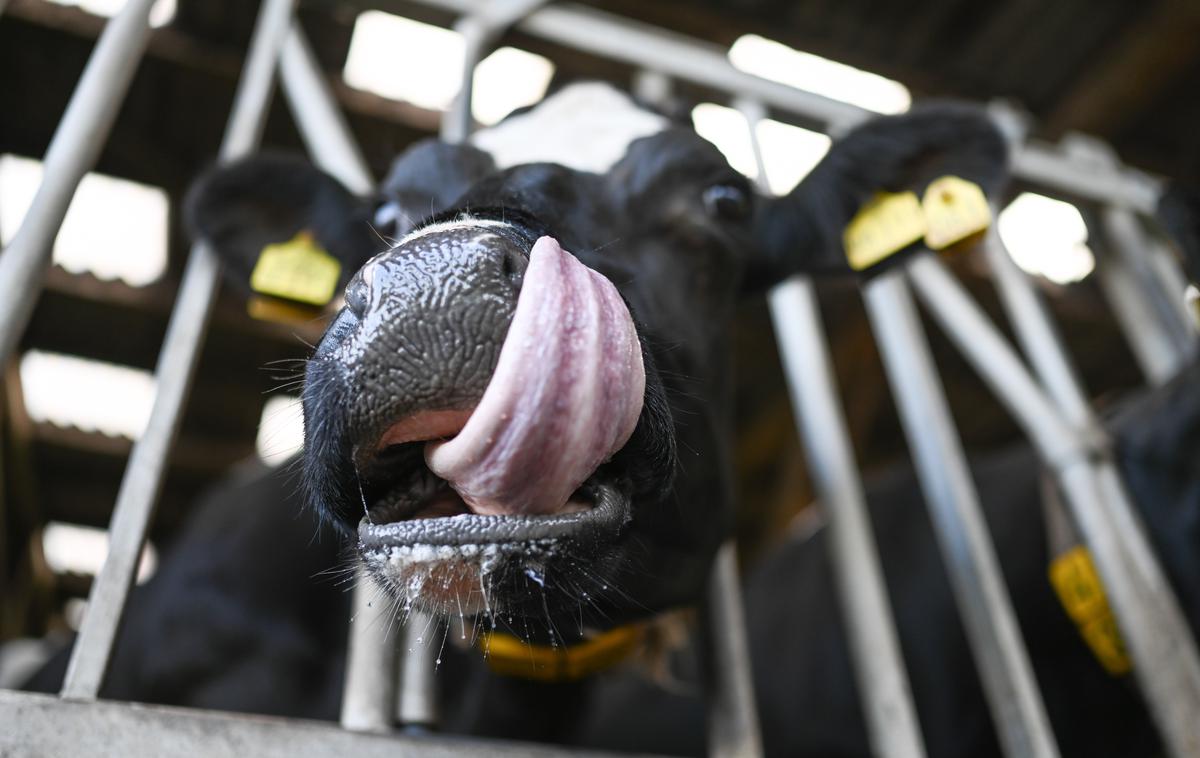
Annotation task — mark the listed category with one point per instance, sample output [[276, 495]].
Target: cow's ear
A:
[[802, 231], [282, 203], [425, 180]]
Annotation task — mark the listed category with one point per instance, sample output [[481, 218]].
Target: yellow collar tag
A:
[[955, 209], [1082, 595], [296, 270], [509, 656], [886, 225]]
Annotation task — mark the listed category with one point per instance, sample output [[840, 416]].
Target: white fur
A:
[[587, 127]]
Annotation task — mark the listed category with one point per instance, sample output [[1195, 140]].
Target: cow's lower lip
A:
[[609, 511]]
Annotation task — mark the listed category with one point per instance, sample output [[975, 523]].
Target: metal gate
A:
[[1043, 395]]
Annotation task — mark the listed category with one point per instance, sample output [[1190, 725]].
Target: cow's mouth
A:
[[453, 492], [416, 506]]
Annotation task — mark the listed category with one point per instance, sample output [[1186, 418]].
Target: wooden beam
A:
[[1133, 72]]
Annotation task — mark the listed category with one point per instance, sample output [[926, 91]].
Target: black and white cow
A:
[[523, 407], [522, 411]]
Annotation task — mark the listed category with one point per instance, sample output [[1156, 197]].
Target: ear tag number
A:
[[297, 270], [955, 209], [1082, 595], [883, 227]]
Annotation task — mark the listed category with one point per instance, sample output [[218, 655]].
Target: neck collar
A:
[[510, 656]]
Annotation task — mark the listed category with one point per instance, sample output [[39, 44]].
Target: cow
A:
[[520, 415], [522, 409]]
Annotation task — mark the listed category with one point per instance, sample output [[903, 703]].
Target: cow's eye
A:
[[727, 202]]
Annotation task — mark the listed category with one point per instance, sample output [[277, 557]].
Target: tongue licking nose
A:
[[565, 396]]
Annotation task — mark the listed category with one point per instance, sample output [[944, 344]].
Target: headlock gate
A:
[[1042, 394]]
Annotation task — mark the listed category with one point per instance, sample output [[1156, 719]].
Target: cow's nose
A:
[[439, 269], [432, 315]]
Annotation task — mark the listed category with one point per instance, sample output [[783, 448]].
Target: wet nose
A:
[[440, 269]]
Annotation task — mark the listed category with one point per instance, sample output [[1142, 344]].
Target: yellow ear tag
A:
[[1082, 595], [954, 210], [882, 227], [297, 270]]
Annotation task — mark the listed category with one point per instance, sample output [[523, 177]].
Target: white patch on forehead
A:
[[586, 127]]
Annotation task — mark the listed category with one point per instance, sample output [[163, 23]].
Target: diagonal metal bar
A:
[[176, 364], [73, 151]]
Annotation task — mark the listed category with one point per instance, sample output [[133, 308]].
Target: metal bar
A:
[[369, 693], [882, 681], [1166, 661], [39, 725], [652, 87], [181, 348], [416, 702], [732, 715], [995, 639], [479, 29], [1153, 353], [322, 125], [1133, 248], [1174, 282], [73, 151], [645, 46], [892, 725], [1047, 166], [459, 120]]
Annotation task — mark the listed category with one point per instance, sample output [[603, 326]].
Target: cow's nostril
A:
[[356, 296], [513, 265]]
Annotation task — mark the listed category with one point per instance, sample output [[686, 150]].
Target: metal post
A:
[[185, 333], [991, 625], [892, 724], [732, 716], [73, 151], [1165, 658], [416, 701], [480, 28], [1153, 353], [369, 693], [1132, 246], [1174, 282]]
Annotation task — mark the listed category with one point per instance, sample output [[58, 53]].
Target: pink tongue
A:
[[566, 394]]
